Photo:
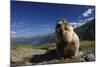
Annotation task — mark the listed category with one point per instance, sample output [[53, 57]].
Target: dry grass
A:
[[20, 52]]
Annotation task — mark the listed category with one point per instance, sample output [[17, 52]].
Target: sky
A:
[[33, 18]]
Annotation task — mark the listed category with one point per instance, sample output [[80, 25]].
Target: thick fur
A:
[[67, 40]]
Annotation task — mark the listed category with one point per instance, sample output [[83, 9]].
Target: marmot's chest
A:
[[67, 49]]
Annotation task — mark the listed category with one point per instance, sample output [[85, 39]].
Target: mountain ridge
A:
[[85, 32]]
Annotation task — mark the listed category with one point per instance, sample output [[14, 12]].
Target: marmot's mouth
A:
[[58, 28]]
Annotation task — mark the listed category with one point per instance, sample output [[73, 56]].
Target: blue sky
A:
[[31, 18]]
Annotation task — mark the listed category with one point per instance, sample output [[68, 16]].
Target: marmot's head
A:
[[62, 24]]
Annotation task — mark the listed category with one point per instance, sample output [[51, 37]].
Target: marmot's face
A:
[[62, 25]]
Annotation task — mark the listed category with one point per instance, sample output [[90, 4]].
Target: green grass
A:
[[49, 45], [87, 44], [83, 44], [21, 46]]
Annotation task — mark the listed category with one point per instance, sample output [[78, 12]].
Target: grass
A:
[[83, 44], [49, 45], [21, 46], [87, 44], [19, 52]]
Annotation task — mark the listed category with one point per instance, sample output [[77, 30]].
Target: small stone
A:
[[89, 57]]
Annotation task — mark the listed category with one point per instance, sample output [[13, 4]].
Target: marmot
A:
[[67, 40]]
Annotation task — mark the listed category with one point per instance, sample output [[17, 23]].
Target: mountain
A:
[[85, 31], [43, 39]]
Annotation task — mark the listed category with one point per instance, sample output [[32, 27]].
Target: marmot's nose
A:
[[58, 26]]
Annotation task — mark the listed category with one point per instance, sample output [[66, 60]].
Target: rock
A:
[[89, 57]]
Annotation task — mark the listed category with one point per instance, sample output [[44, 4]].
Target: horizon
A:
[[35, 18]]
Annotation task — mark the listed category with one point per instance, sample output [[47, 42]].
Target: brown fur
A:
[[67, 40]]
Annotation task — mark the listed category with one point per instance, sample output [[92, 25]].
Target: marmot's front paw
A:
[[74, 57]]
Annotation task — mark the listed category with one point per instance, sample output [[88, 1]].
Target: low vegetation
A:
[[19, 53]]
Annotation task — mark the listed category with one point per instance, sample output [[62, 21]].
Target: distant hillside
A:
[[43, 39], [86, 31]]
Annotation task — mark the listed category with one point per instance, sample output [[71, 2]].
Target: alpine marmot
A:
[[67, 40]]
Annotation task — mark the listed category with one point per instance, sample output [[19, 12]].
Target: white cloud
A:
[[88, 12], [74, 24], [81, 22], [13, 32], [86, 20]]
